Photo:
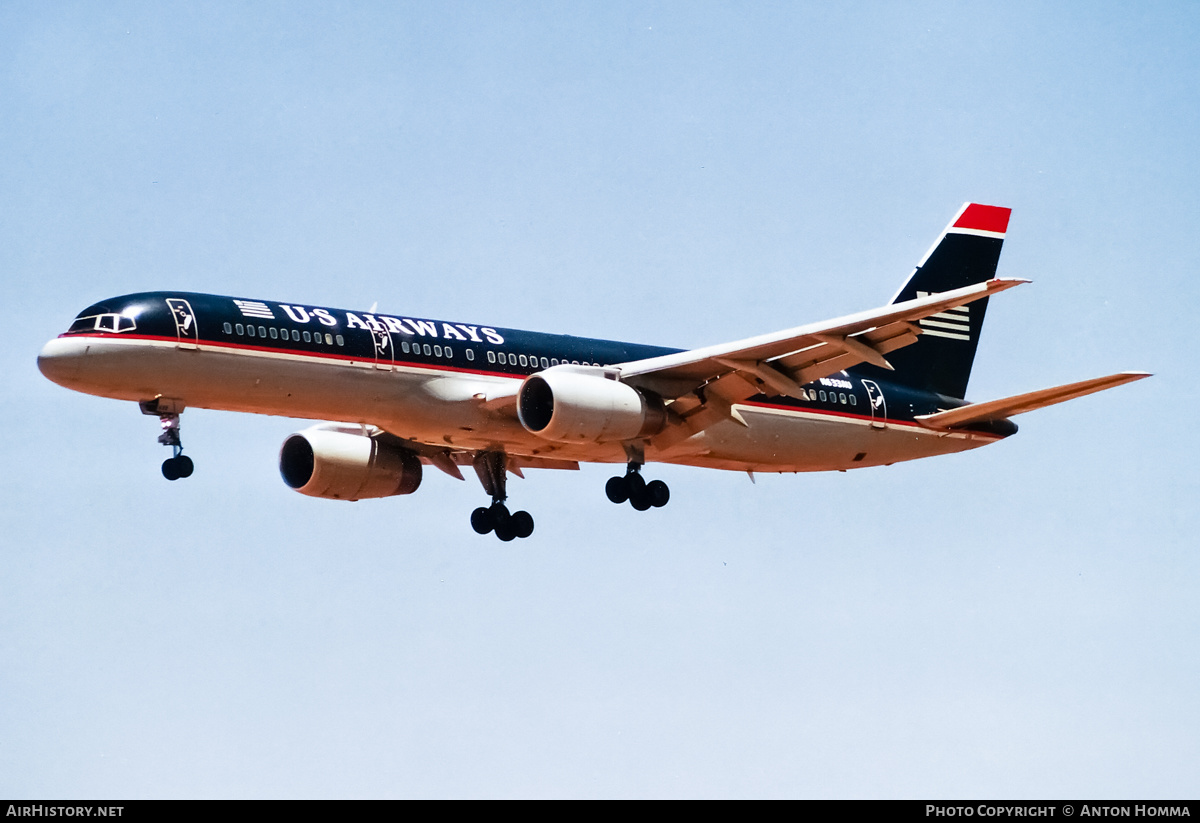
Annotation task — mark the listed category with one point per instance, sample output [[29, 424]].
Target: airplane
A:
[[867, 389]]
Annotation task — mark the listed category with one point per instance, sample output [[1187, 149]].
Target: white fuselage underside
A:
[[446, 407]]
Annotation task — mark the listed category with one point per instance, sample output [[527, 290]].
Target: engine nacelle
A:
[[573, 406], [325, 462]]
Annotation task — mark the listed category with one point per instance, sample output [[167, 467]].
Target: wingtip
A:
[[1002, 283]]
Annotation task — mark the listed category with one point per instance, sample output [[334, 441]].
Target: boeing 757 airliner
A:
[[868, 389]]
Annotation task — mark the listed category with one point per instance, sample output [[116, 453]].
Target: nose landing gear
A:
[[167, 411], [634, 488]]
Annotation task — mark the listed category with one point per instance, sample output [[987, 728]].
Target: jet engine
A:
[[345, 465], [572, 406]]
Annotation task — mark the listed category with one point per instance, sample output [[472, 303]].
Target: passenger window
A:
[[853, 400], [842, 397], [470, 354], [553, 361], [822, 395], [491, 355], [524, 360], [437, 350], [404, 346], [229, 328], [329, 339], [295, 336], [426, 348], [262, 331], [250, 331], [545, 363], [274, 333], [307, 337], [503, 358], [449, 351], [240, 328], [341, 341]]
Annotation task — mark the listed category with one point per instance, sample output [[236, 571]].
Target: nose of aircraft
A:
[[61, 360]]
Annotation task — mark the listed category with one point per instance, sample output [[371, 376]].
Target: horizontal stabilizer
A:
[[1021, 403]]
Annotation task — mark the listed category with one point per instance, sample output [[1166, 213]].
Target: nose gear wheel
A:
[[178, 465]]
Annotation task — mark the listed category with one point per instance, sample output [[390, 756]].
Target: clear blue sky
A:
[[1018, 621]]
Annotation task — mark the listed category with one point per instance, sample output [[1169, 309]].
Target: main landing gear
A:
[[179, 464], [490, 466], [634, 488]]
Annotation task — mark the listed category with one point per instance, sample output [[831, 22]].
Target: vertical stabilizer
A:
[[966, 253]]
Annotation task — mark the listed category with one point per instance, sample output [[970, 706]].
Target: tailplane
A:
[[966, 253], [999, 410]]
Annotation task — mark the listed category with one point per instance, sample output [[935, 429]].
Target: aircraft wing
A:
[[448, 460], [1021, 403], [781, 362]]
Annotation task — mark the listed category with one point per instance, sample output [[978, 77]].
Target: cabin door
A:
[[385, 355], [877, 403], [185, 322]]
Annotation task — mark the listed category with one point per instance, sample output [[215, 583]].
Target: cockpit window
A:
[[112, 323]]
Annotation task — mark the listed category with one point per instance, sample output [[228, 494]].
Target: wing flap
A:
[[521, 461], [1021, 403], [516, 462], [832, 355]]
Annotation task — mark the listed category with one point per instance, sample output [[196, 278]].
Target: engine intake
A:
[[570, 406], [341, 465]]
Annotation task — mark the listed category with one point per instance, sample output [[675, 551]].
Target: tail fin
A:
[[965, 254]]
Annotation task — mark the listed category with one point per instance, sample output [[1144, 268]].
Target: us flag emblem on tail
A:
[[954, 324]]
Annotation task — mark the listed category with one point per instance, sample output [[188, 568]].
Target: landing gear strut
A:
[[168, 411], [493, 474], [634, 488]]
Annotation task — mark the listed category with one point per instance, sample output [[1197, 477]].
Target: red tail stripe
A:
[[984, 218]]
